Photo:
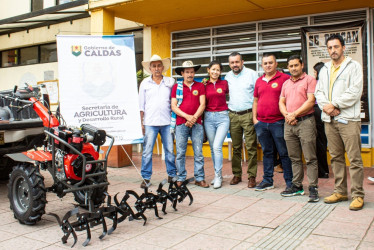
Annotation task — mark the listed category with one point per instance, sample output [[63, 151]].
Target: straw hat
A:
[[186, 65], [156, 58]]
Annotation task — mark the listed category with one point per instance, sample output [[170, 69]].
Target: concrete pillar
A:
[[102, 22]]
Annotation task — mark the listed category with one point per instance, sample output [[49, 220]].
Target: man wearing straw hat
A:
[[188, 104], [154, 102]]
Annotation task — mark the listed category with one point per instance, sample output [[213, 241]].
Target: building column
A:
[[102, 22]]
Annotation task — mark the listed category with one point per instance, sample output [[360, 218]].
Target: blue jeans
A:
[[196, 133], [150, 137], [267, 133], [216, 126]]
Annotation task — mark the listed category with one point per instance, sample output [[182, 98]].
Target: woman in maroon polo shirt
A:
[[216, 117]]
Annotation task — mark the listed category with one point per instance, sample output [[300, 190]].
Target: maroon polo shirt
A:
[[191, 100], [268, 97], [216, 96]]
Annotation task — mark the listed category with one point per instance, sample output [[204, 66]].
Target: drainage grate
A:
[[292, 232]]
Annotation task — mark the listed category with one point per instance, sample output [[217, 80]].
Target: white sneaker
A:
[[217, 182], [212, 182], [371, 179]]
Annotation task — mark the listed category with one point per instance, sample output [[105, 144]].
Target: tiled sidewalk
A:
[[232, 217]]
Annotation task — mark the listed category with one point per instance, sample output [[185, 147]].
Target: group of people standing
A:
[[276, 108]]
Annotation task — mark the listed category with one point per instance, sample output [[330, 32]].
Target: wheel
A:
[[26, 193], [98, 195]]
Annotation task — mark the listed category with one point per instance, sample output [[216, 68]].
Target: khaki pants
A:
[[346, 138], [239, 125], [301, 138]]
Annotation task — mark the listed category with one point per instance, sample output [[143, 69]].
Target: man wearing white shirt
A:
[[155, 113], [241, 85]]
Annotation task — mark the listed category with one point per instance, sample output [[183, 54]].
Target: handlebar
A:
[[16, 99]]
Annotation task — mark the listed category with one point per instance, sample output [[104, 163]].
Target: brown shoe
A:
[[252, 182], [202, 184], [335, 197], [144, 183], [357, 203], [235, 180], [278, 169]]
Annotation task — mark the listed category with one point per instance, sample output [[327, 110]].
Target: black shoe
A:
[[293, 191], [264, 186], [145, 183], [313, 194]]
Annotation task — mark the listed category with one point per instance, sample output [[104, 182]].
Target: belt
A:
[[241, 112], [302, 118]]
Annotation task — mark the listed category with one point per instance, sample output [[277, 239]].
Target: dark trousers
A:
[[321, 143]]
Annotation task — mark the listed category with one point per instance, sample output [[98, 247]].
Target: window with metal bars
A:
[[281, 36]]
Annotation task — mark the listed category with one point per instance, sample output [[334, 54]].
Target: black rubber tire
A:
[[98, 195], [27, 193]]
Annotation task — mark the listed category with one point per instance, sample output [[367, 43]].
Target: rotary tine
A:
[[150, 201], [173, 193], [105, 230], [139, 205], [111, 212], [124, 208], [162, 196], [184, 191], [66, 227], [85, 222]]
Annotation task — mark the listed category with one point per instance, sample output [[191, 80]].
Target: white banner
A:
[[98, 85]]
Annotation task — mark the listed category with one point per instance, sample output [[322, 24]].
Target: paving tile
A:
[[271, 206], [7, 217], [206, 197], [259, 235], [341, 230], [95, 242], [278, 220], [343, 214], [366, 246], [324, 242], [370, 235], [252, 217], [53, 247], [191, 223], [248, 193], [19, 229], [130, 229], [213, 212], [152, 219], [134, 245], [243, 246], [185, 208], [164, 237], [6, 236], [50, 235], [22, 243], [238, 202], [231, 230], [203, 241]]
